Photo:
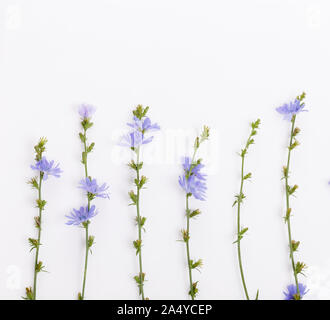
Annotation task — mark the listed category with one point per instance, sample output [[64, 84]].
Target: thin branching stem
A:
[[188, 250], [87, 223], [38, 242], [141, 285], [239, 230], [188, 232], [239, 199], [288, 209]]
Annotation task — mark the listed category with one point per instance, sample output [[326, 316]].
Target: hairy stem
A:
[[86, 226], [239, 230], [239, 200], [188, 231], [139, 223], [86, 262], [288, 204], [187, 247], [38, 243]]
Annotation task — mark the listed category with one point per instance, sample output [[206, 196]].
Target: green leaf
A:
[[41, 204], [34, 183], [40, 267], [86, 124], [295, 245], [133, 197], [197, 143], [205, 134], [29, 294], [292, 190], [90, 147], [300, 267], [140, 112], [82, 137], [141, 221], [40, 148], [239, 198], [195, 213], [139, 279], [240, 235], [37, 222], [90, 241], [185, 235], [196, 264], [34, 244], [137, 245], [301, 97], [193, 290], [247, 176]]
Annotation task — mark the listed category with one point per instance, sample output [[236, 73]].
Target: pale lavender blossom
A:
[[47, 168], [86, 111], [288, 110], [143, 125], [292, 290], [77, 217], [91, 186], [137, 136], [134, 140], [193, 181], [193, 186], [195, 169]]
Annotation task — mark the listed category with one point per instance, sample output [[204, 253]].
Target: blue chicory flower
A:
[[91, 186], [47, 168], [77, 217], [137, 136], [143, 125], [193, 186], [194, 183], [195, 169], [292, 290], [288, 110], [86, 111], [134, 139]]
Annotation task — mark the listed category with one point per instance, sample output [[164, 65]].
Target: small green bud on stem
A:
[[29, 294], [185, 235], [295, 245], [300, 267], [193, 290], [133, 197], [137, 245]]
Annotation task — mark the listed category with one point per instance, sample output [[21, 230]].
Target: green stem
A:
[[188, 230], [38, 245], [139, 223], [288, 205], [85, 149], [86, 261], [239, 230], [188, 251], [86, 226]]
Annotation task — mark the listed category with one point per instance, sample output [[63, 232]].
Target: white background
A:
[[220, 63]]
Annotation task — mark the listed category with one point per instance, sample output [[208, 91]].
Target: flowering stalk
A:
[[44, 168], [82, 216], [193, 183], [86, 124], [134, 140], [297, 291], [239, 200], [140, 222]]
